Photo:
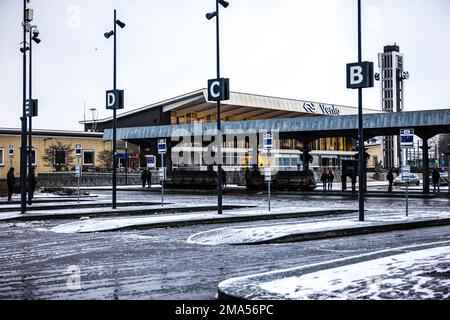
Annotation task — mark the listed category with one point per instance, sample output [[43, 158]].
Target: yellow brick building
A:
[[92, 144]]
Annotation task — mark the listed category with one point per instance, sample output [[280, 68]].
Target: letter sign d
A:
[[111, 100]]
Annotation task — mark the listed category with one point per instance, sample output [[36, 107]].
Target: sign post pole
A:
[[162, 180], [11, 155], [268, 184], [406, 142], [406, 177], [268, 144], [407, 198], [78, 169], [162, 149]]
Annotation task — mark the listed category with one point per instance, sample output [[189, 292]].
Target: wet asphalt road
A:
[[160, 264]]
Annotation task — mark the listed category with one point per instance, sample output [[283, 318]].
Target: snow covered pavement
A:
[[415, 274]]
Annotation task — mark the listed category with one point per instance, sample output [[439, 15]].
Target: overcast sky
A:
[[286, 48]]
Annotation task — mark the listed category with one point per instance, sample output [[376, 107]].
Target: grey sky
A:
[[287, 48]]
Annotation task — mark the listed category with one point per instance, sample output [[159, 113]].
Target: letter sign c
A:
[[214, 94]]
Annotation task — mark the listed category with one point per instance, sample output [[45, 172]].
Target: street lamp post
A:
[[114, 175], [360, 127], [27, 17], [32, 105], [209, 16]]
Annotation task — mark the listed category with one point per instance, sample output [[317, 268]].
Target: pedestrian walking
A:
[[31, 183], [144, 177], [390, 178], [11, 182], [149, 178], [436, 177], [330, 179], [324, 179]]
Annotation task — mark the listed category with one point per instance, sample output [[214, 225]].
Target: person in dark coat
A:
[[247, 177], [390, 178], [435, 177], [353, 178], [224, 178], [11, 182], [330, 178], [31, 183], [344, 181], [324, 179], [144, 177], [149, 178]]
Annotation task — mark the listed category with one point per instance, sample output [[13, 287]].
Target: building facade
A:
[[91, 142], [392, 74]]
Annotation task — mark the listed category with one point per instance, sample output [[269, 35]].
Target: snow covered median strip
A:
[[104, 224], [302, 230]]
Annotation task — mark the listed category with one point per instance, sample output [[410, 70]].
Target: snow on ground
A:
[[423, 274], [104, 224], [252, 234]]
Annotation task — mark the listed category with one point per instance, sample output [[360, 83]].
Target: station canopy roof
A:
[[244, 106]]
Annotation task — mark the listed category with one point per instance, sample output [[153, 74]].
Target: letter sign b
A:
[[360, 75], [356, 76]]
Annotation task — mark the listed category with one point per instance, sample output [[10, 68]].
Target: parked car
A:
[[413, 181]]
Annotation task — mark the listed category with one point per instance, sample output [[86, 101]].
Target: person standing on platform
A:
[[31, 183], [11, 182], [330, 178], [144, 177], [353, 178], [149, 178], [390, 178], [324, 179], [436, 177]]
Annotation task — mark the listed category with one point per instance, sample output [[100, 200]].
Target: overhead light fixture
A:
[[109, 34], [28, 15], [223, 3], [120, 23], [211, 15]]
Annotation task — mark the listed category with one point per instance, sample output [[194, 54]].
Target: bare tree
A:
[[59, 156], [106, 159]]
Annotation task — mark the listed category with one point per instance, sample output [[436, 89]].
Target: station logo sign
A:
[[323, 108]]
